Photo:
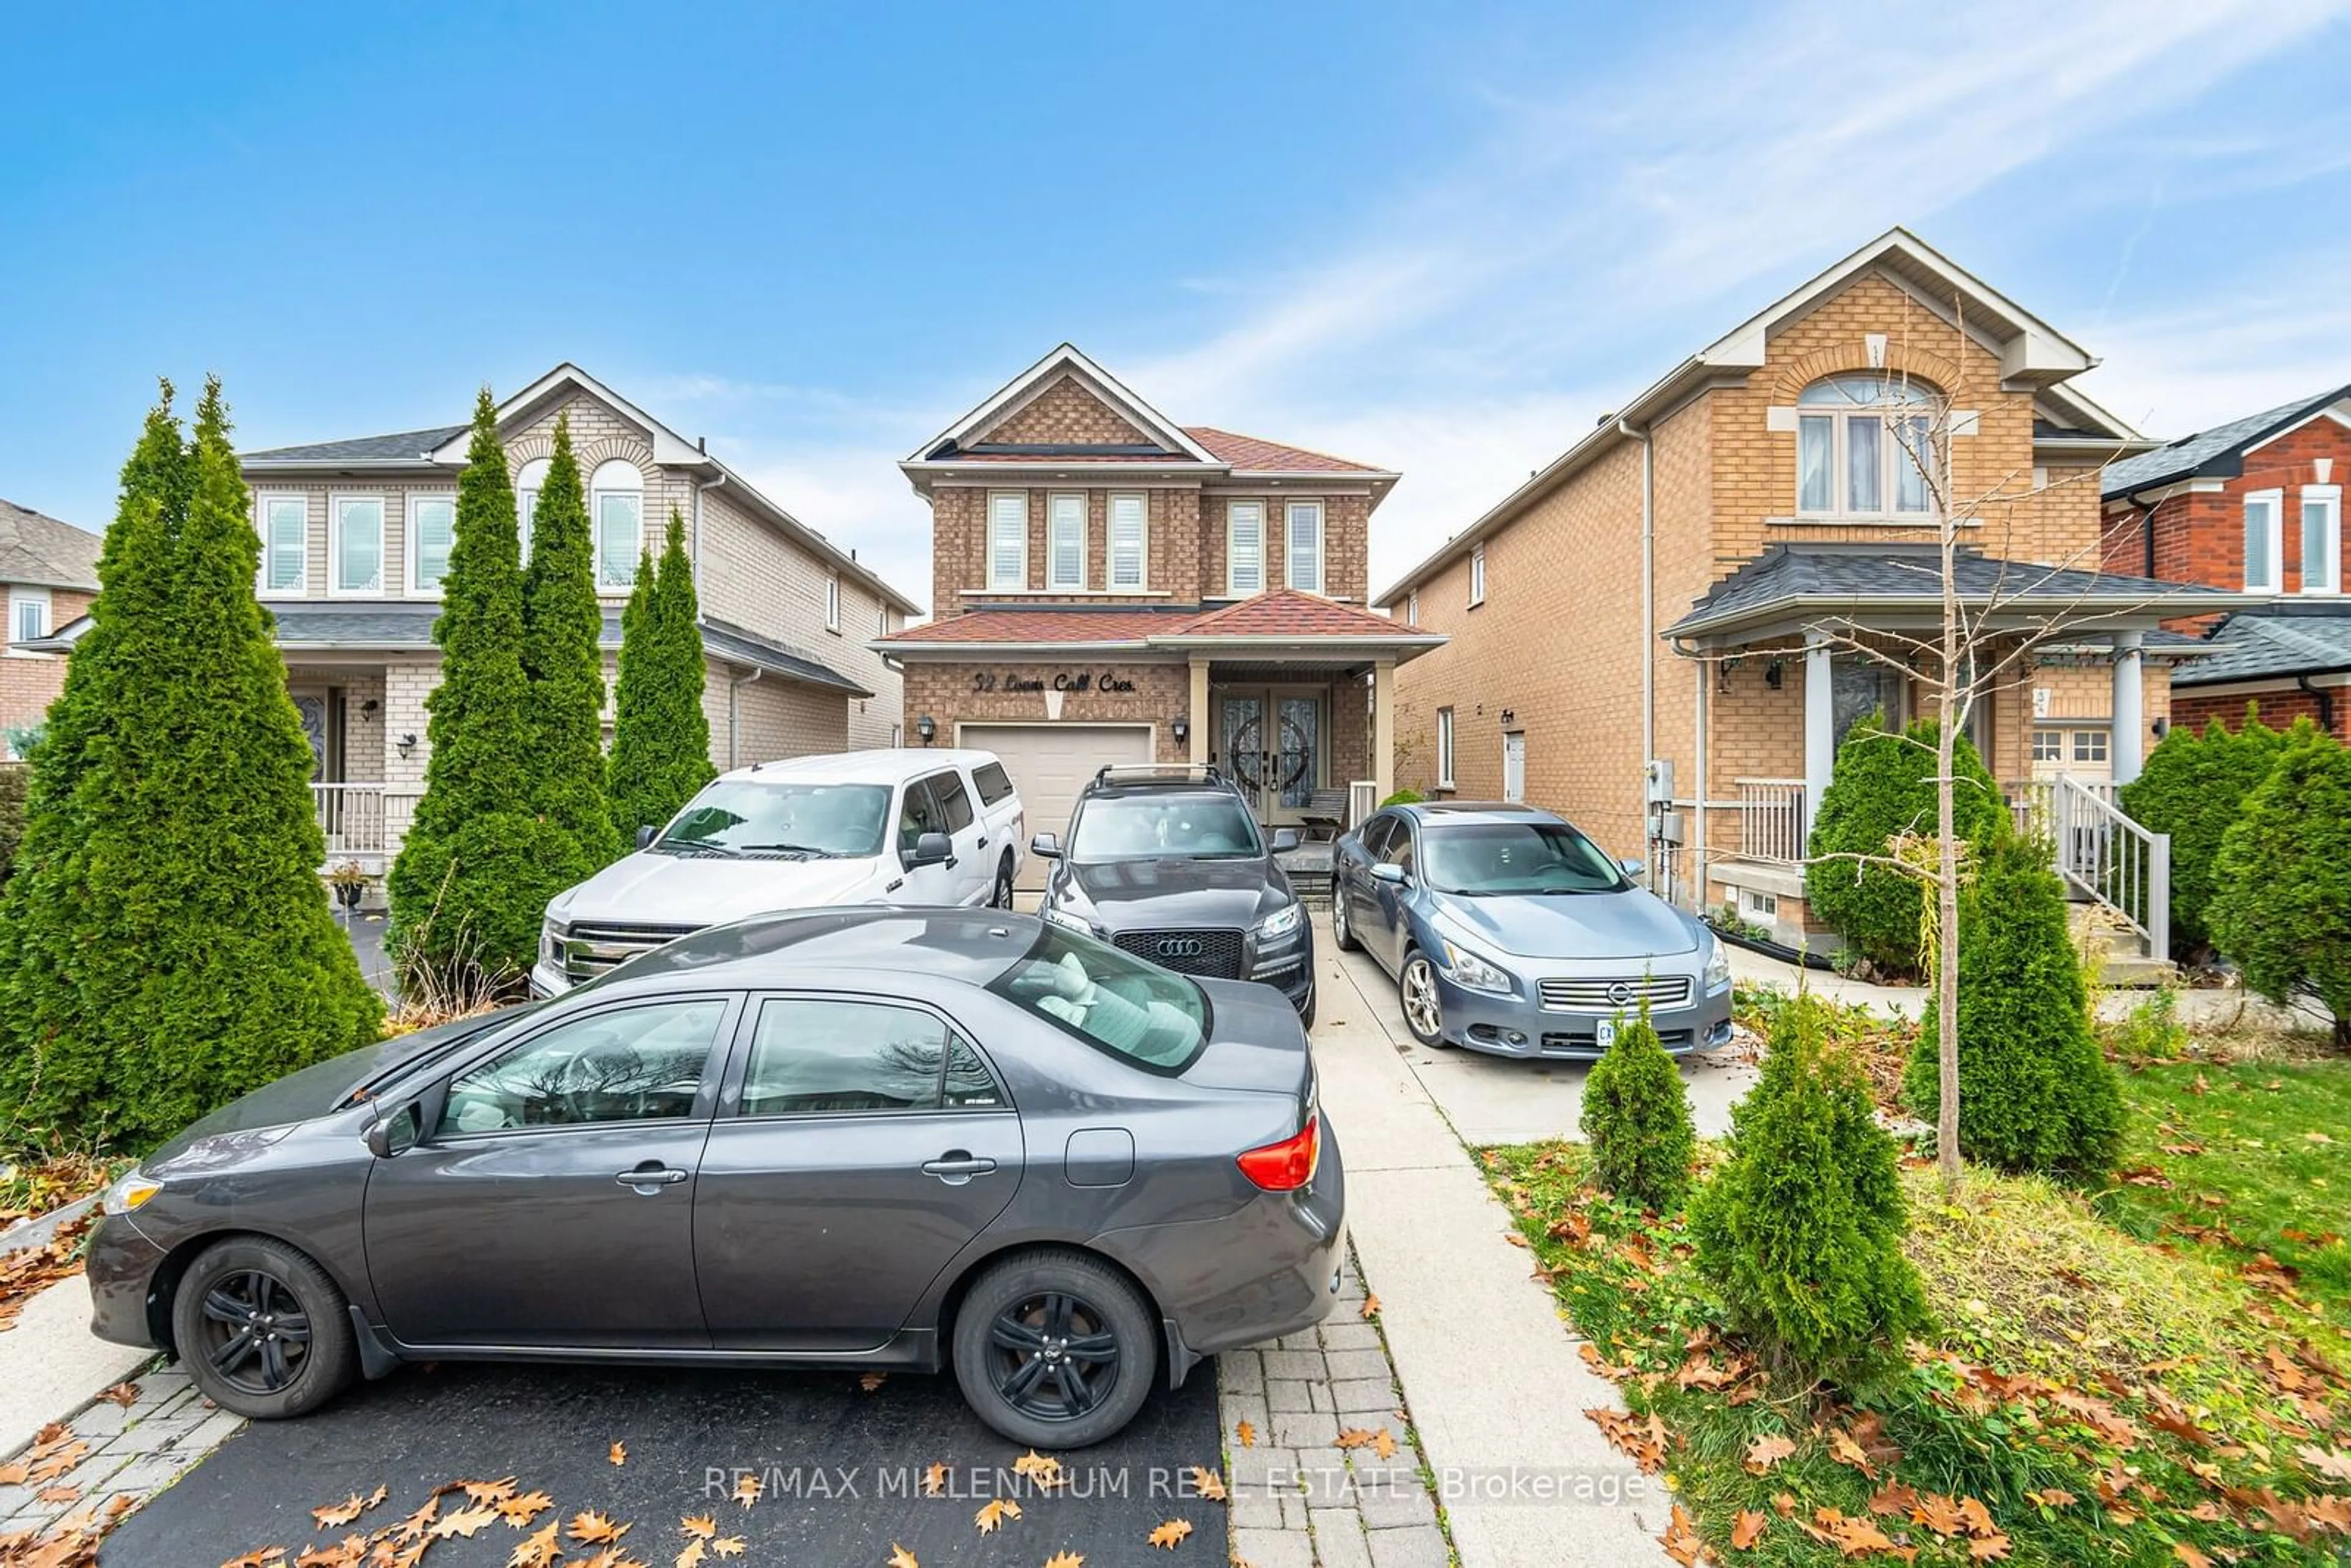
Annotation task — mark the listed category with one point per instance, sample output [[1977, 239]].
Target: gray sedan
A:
[[1509, 932], [845, 1138]]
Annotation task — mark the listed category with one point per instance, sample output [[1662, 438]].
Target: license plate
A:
[[1605, 1034]]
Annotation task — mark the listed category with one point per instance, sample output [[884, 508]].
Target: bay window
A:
[[1864, 448]]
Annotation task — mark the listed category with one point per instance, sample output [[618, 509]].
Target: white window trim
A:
[[596, 533], [408, 584], [1142, 583], [1893, 459], [1445, 744], [261, 504], [2333, 495], [1322, 588], [988, 542], [832, 603], [1233, 589], [1477, 575], [29, 593], [1412, 608], [335, 588], [2275, 500], [526, 502], [1054, 503]]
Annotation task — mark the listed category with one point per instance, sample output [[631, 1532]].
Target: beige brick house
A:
[[1654, 634], [1112, 587], [356, 533], [49, 574]]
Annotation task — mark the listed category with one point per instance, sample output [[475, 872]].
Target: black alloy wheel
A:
[[1054, 1348], [262, 1329], [1053, 1356]]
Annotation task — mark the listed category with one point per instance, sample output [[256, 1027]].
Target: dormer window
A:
[[1864, 447]]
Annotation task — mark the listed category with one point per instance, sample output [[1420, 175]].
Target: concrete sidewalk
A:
[[1488, 1369]]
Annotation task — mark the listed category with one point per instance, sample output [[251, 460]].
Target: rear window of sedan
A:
[[1112, 1000]]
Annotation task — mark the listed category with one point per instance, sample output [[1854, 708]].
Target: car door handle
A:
[[983, 841], [957, 1166], [649, 1177]]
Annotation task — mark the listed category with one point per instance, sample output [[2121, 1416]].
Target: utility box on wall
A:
[[1657, 781]]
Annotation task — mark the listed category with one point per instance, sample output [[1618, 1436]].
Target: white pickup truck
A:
[[862, 827]]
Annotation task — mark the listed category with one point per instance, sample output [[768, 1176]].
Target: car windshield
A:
[[738, 817], [1114, 1001], [1515, 858], [1207, 825]]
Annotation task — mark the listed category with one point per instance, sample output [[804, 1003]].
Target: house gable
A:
[[1064, 405]]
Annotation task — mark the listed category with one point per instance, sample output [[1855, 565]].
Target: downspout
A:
[[1649, 631], [734, 685], [2324, 698], [694, 525]]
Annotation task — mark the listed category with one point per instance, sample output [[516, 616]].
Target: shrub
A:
[[1407, 797], [1800, 1231], [661, 738], [2193, 787], [2152, 1031], [2035, 1092], [1638, 1118], [563, 628], [1885, 788], [2282, 904], [14, 780]]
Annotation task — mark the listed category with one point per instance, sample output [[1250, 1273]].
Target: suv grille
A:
[[592, 948], [1600, 995], [1216, 954]]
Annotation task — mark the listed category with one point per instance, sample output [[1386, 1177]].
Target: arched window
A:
[[616, 503], [528, 482], [1864, 447]]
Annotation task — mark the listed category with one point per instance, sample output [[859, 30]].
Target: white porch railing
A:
[[1771, 819], [2119, 865], [2033, 801], [363, 819], [1362, 800]]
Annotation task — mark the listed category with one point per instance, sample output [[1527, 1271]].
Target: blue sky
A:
[[1441, 238]]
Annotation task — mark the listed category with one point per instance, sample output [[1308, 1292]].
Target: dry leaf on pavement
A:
[[1065, 1560], [1169, 1533], [873, 1380], [901, 1558], [465, 1521], [619, 1453], [122, 1394], [1208, 1483], [519, 1512], [1042, 1468], [1245, 1435], [994, 1512], [1371, 1305], [747, 1489], [592, 1529], [935, 1479], [539, 1551]]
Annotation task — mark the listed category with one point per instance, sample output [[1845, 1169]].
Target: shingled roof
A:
[[2265, 644], [2217, 453], [40, 551]]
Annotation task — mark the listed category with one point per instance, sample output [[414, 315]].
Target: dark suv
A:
[[1168, 864]]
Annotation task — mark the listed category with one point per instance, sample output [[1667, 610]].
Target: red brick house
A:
[[49, 574], [2252, 506], [1109, 585]]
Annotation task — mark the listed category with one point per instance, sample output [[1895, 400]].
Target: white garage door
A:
[[1050, 763]]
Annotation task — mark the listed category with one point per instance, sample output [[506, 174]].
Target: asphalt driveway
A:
[[841, 1471]]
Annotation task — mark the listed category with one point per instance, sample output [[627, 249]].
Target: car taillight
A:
[[1289, 1165]]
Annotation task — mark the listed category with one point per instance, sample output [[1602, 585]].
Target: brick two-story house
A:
[[355, 535], [2254, 505], [1111, 587], [1656, 632], [49, 574]]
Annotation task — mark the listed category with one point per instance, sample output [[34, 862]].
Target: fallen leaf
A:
[[2336, 1465], [409, 1531], [701, 1526], [1371, 1305], [727, 1546], [1383, 1445], [1208, 1483], [2190, 1556], [2056, 1497], [540, 1551], [1065, 1560], [1358, 1437], [1682, 1543], [59, 1494], [747, 1489], [1169, 1533], [901, 1558], [620, 1454], [593, 1528], [691, 1554], [1747, 1528], [519, 1512], [994, 1512], [1765, 1452], [467, 1522], [1042, 1468], [1245, 1435], [122, 1394], [493, 1492], [935, 1479], [873, 1380]]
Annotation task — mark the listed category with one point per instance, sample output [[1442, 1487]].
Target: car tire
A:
[[999, 893], [305, 1355], [1342, 933], [1006, 1325], [1418, 996]]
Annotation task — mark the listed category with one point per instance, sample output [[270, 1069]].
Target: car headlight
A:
[[1069, 918], [1281, 921], [1717, 964], [1469, 969], [129, 1190], [550, 942]]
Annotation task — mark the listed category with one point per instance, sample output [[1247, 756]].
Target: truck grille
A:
[[1216, 954], [1601, 995], [590, 949]]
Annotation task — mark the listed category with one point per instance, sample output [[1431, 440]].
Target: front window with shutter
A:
[[1306, 546], [1066, 563], [1244, 547], [431, 529], [1007, 540], [1127, 532]]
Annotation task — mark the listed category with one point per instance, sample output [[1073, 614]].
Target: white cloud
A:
[[2259, 343]]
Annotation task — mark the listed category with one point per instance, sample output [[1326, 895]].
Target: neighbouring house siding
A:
[[30, 682], [2280, 704], [776, 718]]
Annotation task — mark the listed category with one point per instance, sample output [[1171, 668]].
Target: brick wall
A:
[[768, 720], [1065, 411], [2279, 704], [2200, 535], [946, 692]]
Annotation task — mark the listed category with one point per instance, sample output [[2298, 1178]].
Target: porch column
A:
[[1382, 729], [1200, 718], [1820, 729], [2129, 714]]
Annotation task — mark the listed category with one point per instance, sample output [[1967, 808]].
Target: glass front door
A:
[[1270, 744]]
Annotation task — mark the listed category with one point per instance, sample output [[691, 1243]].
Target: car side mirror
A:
[[646, 835], [1388, 871], [930, 849], [397, 1133], [1286, 839], [1046, 847], [1633, 867]]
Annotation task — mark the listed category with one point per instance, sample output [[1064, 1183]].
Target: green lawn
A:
[[2084, 1399], [2246, 1159]]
